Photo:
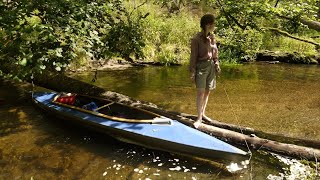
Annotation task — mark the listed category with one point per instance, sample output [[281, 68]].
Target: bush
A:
[[167, 38], [238, 45]]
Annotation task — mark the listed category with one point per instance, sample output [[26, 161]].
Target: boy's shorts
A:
[[205, 75]]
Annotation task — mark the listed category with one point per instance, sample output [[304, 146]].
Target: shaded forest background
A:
[[57, 35]]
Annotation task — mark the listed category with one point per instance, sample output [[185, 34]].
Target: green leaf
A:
[[42, 67], [58, 68], [58, 52], [23, 62]]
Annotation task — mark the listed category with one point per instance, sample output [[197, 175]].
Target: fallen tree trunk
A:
[[251, 131], [252, 141], [263, 144], [257, 143], [53, 81]]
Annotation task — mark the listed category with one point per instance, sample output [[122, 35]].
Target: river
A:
[[275, 98]]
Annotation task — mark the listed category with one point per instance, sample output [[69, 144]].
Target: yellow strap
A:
[[103, 106]]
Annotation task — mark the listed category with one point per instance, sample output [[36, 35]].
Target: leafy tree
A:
[[125, 38], [38, 35], [285, 18], [242, 25]]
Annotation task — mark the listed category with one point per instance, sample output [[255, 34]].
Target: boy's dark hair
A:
[[206, 19]]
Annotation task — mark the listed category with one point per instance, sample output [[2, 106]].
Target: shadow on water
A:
[[104, 146], [147, 162], [39, 145], [13, 117], [36, 144]]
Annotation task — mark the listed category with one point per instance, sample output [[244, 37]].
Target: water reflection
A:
[[274, 98], [280, 98], [51, 148]]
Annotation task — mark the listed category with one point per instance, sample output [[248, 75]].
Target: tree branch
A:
[[228, 16], [138, 6], [276, 3], [293, 37], [315, 25]]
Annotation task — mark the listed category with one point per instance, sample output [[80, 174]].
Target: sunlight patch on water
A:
[[157, 166], [235, 167], [294, 169]]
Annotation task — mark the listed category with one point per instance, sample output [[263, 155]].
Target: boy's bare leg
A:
[[200, 105]]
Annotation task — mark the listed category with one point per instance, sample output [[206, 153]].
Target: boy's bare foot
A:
[[197, 123], [204, 117]]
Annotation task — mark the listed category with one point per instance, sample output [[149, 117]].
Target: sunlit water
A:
[[273, 98], [277, 98]]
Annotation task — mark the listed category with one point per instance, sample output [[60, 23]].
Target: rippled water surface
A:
[[277, 98]]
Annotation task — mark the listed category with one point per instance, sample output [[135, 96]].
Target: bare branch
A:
[[276, 3]]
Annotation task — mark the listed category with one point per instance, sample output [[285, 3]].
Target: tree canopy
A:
[[38, 35], [251, 21]]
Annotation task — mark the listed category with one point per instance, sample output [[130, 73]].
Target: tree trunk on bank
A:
[[59, 82], [315, 25]]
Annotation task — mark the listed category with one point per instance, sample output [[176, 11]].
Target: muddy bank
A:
[[293, 58], [114, 64], [272, 57]]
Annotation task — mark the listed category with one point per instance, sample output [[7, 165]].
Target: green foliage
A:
[[244, 14], [177, 5], [38, 35], [125, 38], [167, 38], [240, 28], [170, 53], [237, 44], [241, 25], [292, 12], [285, 44]]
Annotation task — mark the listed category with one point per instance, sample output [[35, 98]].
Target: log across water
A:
[[60, 82]]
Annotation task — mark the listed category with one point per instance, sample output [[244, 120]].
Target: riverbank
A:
[[271, 57], [285, 57], [114, 64]]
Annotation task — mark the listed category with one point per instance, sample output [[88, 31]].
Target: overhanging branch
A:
[[229, 16], [284, 33]]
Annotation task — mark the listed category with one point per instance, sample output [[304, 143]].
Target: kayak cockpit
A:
[[110, 109]]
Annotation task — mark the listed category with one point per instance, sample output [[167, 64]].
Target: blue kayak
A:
[[137, 126]]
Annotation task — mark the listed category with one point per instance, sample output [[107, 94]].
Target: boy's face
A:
[[210, 27]]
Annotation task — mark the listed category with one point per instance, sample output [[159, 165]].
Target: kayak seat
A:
[[69, 100]]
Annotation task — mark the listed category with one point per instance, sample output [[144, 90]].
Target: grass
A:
[[167, 37]]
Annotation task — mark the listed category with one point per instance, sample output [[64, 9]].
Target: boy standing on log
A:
[[204, 64]]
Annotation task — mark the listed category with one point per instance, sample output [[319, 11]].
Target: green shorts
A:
[[205, 75]]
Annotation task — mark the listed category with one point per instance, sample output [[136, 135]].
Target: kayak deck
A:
[[173, 137]]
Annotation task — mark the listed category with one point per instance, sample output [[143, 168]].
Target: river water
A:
[[275, 98]]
